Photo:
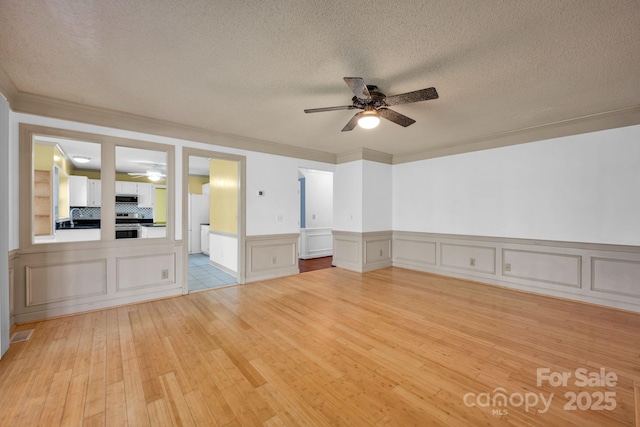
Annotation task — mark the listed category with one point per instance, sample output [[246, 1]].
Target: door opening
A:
[[212, 250], [315, 195]]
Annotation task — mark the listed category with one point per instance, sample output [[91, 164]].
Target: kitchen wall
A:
[[94, 213], [223, 207], [196, 182], [159, 212]]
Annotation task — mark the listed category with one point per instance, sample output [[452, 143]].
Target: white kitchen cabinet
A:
[[146, 195], [78, 190], [205, 188], [126, 187], [204, 239], [94, 193]]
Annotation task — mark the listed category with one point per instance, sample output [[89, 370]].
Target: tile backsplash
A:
[[94, 213]]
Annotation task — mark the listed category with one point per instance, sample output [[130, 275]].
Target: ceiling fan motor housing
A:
[[377, 99]]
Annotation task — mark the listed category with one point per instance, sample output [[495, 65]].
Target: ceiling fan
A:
[[153, 174], [375, 104]]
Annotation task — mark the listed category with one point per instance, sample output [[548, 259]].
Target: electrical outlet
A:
[[164, 274], [380, 252], [279, 218], [507, 267], [472, 262], [273, 260]]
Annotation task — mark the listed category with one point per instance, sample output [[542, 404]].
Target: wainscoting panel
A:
[[615, 276], [347, 250], [271, 256], [315, 242], [362, 252], [62, 282], [413, 251], [377, 250], [468, 257], [51, 283], [607, 275], [547, 267], [137, 272]]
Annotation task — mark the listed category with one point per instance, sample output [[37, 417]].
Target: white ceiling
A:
[[250, 68]]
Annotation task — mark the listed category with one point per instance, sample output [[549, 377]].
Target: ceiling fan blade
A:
[[319, 110], [352, 123], [397, 118], [415, 96], [358, 87]]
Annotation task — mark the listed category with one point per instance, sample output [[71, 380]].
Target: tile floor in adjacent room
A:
[[203, 275]]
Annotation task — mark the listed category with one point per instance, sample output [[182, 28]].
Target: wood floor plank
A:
[[175, 400], [636, 390], [392, 347], [116, 404]]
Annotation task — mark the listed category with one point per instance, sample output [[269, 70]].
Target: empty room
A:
[[319, 213]]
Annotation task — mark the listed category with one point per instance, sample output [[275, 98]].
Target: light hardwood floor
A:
[[329, 347]]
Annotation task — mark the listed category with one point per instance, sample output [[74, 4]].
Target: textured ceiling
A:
[[250, 68]]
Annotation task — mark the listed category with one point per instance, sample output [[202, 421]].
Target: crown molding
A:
[[50, 107], [592, 123], [365, 154], [7, 88]]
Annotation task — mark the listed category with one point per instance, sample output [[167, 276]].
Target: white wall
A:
[[278, 211], [4, 226], [362, 196], [377, 196], [347, 196], [582, 188], [319, 198]]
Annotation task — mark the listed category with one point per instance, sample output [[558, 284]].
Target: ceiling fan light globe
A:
[[369, 120]]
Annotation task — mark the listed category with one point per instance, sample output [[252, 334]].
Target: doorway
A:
[[213, 219], [315, 195]]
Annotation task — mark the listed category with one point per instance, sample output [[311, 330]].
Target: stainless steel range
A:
[[127, 226]]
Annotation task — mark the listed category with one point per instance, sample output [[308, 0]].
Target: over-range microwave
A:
[[127, 198]]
